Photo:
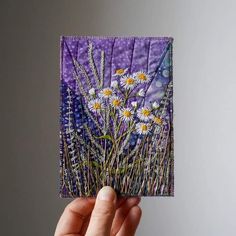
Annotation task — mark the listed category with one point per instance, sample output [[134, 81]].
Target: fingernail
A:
[[107, 194]]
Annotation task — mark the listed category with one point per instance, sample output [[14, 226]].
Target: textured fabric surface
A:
[[116, 116]]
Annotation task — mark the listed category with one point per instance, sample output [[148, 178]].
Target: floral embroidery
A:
[[120, 72], [157, 120], [141, 92], [144, 113], [126, 114], [116, 102], [96, 105], [143, 128], [142, 77], [114, 84], [116, 126], [128, 81], [106, 93]]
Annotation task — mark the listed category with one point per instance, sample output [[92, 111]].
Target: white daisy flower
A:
[[115, 101], [106, 93], [92, 91], [126, 114], [119, 72], [141, 92], [114, 84], [144, 113], [155, 105], [143, 128], [157, 120], [96, 105], [142, 77], [134, 104], [128, 81]]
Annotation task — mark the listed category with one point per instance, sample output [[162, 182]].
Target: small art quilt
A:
[[116, 116]]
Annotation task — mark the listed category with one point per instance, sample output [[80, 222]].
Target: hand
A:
[[104, 216]]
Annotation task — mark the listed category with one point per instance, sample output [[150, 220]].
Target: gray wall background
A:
[[205, 127]]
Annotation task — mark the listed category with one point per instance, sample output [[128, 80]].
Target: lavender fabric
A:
[[116, 116]]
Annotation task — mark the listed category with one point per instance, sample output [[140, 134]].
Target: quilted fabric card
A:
[[116, 116]]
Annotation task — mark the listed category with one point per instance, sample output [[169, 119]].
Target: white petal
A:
[[114, 84], [155, 105], [92, 91], [134, 104], [141, 93]]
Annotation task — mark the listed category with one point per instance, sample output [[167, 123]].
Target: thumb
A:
[[103, 213]]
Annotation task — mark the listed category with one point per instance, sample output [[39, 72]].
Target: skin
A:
[[104, 216]]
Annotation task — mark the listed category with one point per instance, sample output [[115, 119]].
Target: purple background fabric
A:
[[135, 53]]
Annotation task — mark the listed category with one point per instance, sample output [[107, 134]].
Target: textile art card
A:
[[116, 116]]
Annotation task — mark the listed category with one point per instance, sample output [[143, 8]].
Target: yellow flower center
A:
[[120, 71], [130, 81], [146, 112], [127, 113], [144, 127], [142, 76], [107, 92], [97, 106], [116, 102], [157, 120]]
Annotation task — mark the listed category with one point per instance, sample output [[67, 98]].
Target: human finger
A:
[[73, 216], [121, 213], [103, 213], [131, 222]]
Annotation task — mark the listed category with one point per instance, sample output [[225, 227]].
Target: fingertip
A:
[[131, 222], [134, 200], [103, 212], [135, 215], [123, 212], [91, 199], [136, 211], [107, 193], [80, 206]]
